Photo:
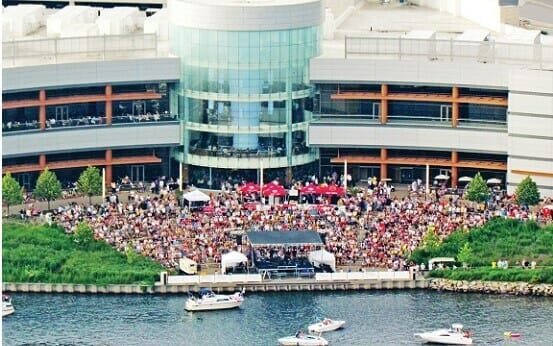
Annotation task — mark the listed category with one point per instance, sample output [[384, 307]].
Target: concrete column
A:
[[454, 169], [42, 161], [455, 107], [383, 164], [42, 109], [109, 172], [289, 176], [109, 105], [185, 175], [383, 104]]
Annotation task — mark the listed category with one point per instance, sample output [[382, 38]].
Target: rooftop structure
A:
[[384, 85]]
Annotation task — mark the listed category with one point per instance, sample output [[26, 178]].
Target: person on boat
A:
[[467, 334], [299, 334], [326, 321]]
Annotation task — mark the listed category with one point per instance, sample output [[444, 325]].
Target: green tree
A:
[[527, 192], [430, 241], [47, 186], [12, 192], [465, 256], [90, 183], [84, 234], [477, 190]]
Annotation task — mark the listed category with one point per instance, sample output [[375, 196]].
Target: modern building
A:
[[244, 93], [385, 88]]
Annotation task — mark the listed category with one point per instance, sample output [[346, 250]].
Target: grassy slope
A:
[[32, 253], [509, 240]]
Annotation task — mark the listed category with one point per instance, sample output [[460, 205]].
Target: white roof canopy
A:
[[232, 259], [196, 196], [322, 257]]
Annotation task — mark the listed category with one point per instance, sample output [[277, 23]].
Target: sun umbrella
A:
[[493, 181], [311, 190], [441, 177], [270, 185], [250, 188], [277, 191], [465, 179], [334, 190]]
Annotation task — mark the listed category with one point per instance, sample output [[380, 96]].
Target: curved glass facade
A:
[[245, 95]]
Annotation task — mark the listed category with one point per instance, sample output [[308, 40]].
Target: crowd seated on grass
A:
[[369, 230]]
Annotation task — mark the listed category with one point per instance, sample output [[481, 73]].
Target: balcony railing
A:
[[492, 52], [14, 126], [413, 120], [252, 162], [71, 49]]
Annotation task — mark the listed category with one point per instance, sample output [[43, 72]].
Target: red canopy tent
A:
[[276, 190], [312, 190], [334, 190], [250, 188], [270, 185]]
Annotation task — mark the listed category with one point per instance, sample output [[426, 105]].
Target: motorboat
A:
[[301, 339], [452, 336], [326, 325], [209, 300], [7, 306]]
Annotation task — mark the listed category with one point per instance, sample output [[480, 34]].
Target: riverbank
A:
[[42, 254], [491, 287], [342, 281], [487, 287]]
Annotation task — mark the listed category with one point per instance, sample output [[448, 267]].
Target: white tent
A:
[[432, 263], [189, 266], [322, 257], [232, 259], [195, 196]]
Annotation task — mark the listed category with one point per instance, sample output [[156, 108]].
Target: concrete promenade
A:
[[233, 283]]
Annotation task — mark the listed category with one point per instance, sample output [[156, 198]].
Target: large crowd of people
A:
[[371, 229]]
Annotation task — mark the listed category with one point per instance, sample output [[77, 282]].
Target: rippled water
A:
[[372, 318]]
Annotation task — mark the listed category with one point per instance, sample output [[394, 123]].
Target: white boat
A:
[[453, 336], [303, 340], [326, 325], [208, 300], [7, 307]]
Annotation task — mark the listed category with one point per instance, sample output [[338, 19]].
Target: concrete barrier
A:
[[233, 283]]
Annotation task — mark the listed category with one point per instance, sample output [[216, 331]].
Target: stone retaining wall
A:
[[493, 287]]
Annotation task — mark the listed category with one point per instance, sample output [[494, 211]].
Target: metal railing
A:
[[71, 49], [493, 52], [16, 126]]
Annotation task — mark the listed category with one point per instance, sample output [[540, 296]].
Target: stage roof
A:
[[290, 238]]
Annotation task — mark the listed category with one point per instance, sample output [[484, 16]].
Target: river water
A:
[[372, 318]]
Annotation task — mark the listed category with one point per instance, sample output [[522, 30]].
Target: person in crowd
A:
[[370, 230]]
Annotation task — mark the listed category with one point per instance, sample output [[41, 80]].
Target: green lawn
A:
[[509, 240], [33, 253]]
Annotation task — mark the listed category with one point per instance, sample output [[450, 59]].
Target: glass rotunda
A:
[[244, 93]]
